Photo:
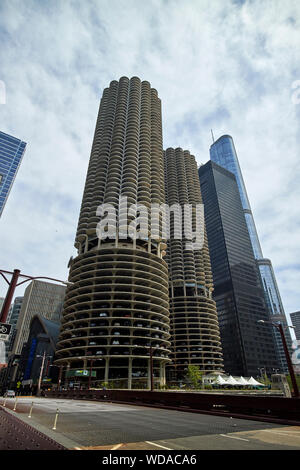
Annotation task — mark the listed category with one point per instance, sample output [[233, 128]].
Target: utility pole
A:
[[41, 374], [287, 354], [289, 362], [9, 294]]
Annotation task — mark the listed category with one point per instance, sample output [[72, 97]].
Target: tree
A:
[[194, 375]]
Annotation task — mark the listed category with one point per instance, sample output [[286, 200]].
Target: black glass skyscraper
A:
[[223, 152], [238, 290]]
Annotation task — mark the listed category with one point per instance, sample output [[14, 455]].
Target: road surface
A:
[[95, 425]]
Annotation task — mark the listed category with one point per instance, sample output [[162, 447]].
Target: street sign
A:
[[80, 373], [4, 331]]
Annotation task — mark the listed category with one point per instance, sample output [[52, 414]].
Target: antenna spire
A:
[[212, 134]]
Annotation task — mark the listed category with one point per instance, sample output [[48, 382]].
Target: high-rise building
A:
[[223, 152], [12, 319], [238, 291], [11, 153], [42, 338], [195, 336], [295, 319], [117, 309], [40, 298]]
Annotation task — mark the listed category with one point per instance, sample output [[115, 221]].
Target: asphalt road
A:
[[93, 425]]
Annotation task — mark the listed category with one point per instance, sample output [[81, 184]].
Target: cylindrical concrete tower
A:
[[195, 337], [117, 308]]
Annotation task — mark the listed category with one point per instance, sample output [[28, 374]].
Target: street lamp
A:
[[13, 283], [287, 355], [41, 372]]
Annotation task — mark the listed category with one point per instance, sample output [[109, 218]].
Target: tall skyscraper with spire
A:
[[11, 154], [223, 152], [238, 291], [116, 312]]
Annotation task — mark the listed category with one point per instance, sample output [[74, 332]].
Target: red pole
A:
[[289, 362], [9, 295]]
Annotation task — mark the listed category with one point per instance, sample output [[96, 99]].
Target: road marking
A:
[[233, 437], [116, 447], [281, 433], [158, 445]]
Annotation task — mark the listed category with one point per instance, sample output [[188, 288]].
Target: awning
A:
[[252, 381], [243, 381], [220, 381], [231, 381]]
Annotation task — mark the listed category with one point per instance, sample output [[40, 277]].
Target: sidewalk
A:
[[18, 434]]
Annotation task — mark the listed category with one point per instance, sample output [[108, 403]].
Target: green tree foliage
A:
[[195, 376]]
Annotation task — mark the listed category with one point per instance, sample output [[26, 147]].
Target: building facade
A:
[[223, 153], [12, 319], [42, 339], [238, 292], [116, 312], [295, 319], [11, 154], [40, 298], [195, 336]]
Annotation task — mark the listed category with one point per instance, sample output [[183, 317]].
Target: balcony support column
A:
[[129, 373], [106, 375]]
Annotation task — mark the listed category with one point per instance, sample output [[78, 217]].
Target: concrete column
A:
[[161, 373], [66, 378], [164, 373], [106, 375], [149, 374], [129, 373]]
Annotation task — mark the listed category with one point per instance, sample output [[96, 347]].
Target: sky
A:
[[230, 66]]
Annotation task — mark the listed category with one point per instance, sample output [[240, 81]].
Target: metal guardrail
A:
[[272, 409], [17, 435]]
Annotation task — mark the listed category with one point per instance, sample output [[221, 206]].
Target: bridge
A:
[[103, 420]]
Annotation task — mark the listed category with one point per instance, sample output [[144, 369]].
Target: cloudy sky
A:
[[226, 65]]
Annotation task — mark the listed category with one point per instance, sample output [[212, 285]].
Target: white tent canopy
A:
[[220, 380], [232, 381], [241, 381], [252, 381]]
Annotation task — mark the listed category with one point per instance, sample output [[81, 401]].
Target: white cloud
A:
[[215, 64]]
